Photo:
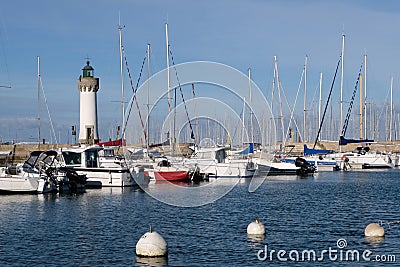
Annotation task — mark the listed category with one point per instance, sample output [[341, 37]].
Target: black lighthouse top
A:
[[88, 70]]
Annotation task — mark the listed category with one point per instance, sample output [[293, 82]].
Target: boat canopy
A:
[[311, 151], [247, 150], [343, 141]]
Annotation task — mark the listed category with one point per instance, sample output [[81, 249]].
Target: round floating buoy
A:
[[256, 228], [374, 230], [151, 244]]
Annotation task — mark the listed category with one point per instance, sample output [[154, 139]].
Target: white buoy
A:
[[151, 244], [256, 228], [374, 230]]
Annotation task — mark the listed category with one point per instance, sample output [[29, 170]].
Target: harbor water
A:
[[325, 212]]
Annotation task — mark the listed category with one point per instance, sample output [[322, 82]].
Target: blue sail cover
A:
[[343, 141], [310, 151], [248, 150]]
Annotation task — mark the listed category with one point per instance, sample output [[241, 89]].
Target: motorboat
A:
[[35, 175], [321, 162], [275, 166], [102, 167]]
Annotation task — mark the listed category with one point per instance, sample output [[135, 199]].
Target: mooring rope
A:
[[381, 223]]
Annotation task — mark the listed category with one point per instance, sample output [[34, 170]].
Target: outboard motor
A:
[[305, 167]]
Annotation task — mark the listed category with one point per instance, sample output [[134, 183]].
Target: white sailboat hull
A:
[[360, 161], [233, 169]]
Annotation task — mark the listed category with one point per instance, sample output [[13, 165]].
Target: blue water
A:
[[102, 226]]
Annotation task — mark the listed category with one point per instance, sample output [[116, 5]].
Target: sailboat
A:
[[318, 157], [361, 157], [158, 167]]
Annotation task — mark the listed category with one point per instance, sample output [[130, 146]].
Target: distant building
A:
[[88, 86]]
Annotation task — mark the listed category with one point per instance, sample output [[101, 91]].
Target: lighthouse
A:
[[88, 86]]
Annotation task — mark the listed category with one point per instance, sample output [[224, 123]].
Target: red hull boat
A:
[[172, 176]]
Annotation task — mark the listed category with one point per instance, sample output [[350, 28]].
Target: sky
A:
[[237, 33]]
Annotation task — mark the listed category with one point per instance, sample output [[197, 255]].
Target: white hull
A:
[[369, 160], [25, 184], [233, 169], [30, 177], [19, 184], [322, 163], [112, 177], [102, 170]]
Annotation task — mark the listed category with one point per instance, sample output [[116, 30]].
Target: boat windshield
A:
[[45, 158], [71, 158], [91, 158], [108, 153], [30, 162]]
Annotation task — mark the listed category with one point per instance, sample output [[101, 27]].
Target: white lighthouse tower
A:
[[88, 87]]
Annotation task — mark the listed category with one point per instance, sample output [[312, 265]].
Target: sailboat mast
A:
[[280, 102], [168, 81], [243, 124], [121, 75], [305, 101], [365, 95], [361, 107], [148, 96], [251, 112], [38, 95], [391, 109], [272, 99], [271, 121], [341, 87], [194, 112], [320, 101]]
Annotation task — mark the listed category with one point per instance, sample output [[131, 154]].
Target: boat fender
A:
[[256, 228], [374, 230], [151, 244]]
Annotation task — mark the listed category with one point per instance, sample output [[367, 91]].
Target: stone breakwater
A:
[[20, 152]]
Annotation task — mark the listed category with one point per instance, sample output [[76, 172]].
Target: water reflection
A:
[[255, 239], [101, 226], [374, 241], [151, 261]]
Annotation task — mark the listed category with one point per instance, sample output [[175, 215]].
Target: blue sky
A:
[[238, 33]]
